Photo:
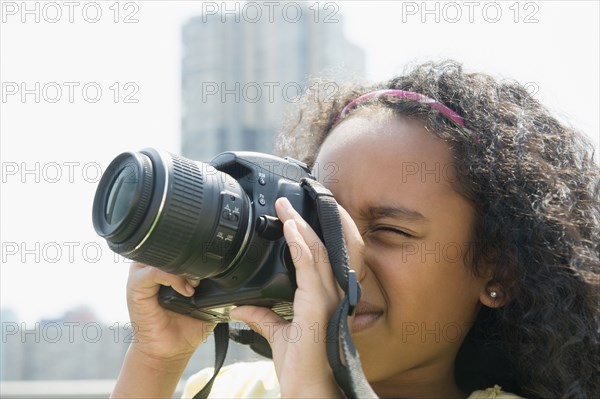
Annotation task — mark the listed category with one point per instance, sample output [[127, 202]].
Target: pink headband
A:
[[447, 112]]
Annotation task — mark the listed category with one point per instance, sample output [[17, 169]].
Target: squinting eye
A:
[[391, 230]]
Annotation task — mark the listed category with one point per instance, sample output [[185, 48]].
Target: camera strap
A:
[[346, 366], [349, 376]]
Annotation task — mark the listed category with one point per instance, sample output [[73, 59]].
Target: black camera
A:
[[214, 221]]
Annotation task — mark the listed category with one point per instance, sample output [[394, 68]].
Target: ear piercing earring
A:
[[494, 294]]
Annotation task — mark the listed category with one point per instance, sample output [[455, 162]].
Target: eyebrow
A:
[[396, 212]]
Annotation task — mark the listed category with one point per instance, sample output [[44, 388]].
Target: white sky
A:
[[557, 57]]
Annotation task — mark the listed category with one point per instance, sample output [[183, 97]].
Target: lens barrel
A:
[[182, 216]]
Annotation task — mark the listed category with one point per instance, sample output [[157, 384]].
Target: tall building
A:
[[241, 73]]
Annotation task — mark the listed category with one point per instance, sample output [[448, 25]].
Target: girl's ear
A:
[[493, 295]]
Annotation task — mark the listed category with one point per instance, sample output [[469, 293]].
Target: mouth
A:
[[365, 316]]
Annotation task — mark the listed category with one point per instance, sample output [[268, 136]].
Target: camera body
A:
[[214, 221], [264, 274]]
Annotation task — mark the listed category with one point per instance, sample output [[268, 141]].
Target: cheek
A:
[[418, 287], [390, 278]]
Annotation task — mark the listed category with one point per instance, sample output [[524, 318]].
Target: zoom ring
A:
[[179, 218]]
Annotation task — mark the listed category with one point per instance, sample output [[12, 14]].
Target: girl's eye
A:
[[389, 230]]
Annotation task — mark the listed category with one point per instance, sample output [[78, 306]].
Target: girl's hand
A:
[[160, 333], [163, 341], [299, 347]]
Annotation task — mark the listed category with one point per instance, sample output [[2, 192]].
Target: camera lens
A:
[[120, 197], [182, 216]]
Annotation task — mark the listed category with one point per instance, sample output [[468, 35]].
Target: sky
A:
[[107, 78]]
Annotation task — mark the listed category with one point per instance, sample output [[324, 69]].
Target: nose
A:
[[357, 259], [360, 268]]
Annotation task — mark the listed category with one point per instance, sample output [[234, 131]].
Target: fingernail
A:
[[194, 283]]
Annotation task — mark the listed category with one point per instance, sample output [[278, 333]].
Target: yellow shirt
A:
[[258, 380]]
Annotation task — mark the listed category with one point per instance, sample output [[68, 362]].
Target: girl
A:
[[472, 219]]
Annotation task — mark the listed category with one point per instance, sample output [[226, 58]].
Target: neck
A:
[[417, 383]]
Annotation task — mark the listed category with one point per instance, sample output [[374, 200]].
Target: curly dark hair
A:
[[534, 185]]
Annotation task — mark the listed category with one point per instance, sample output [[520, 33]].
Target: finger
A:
[[148, 279], [351, 237], [307, 275], [286, 211], [260, 319], [315, 298], [194, 282], [313, 244]]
